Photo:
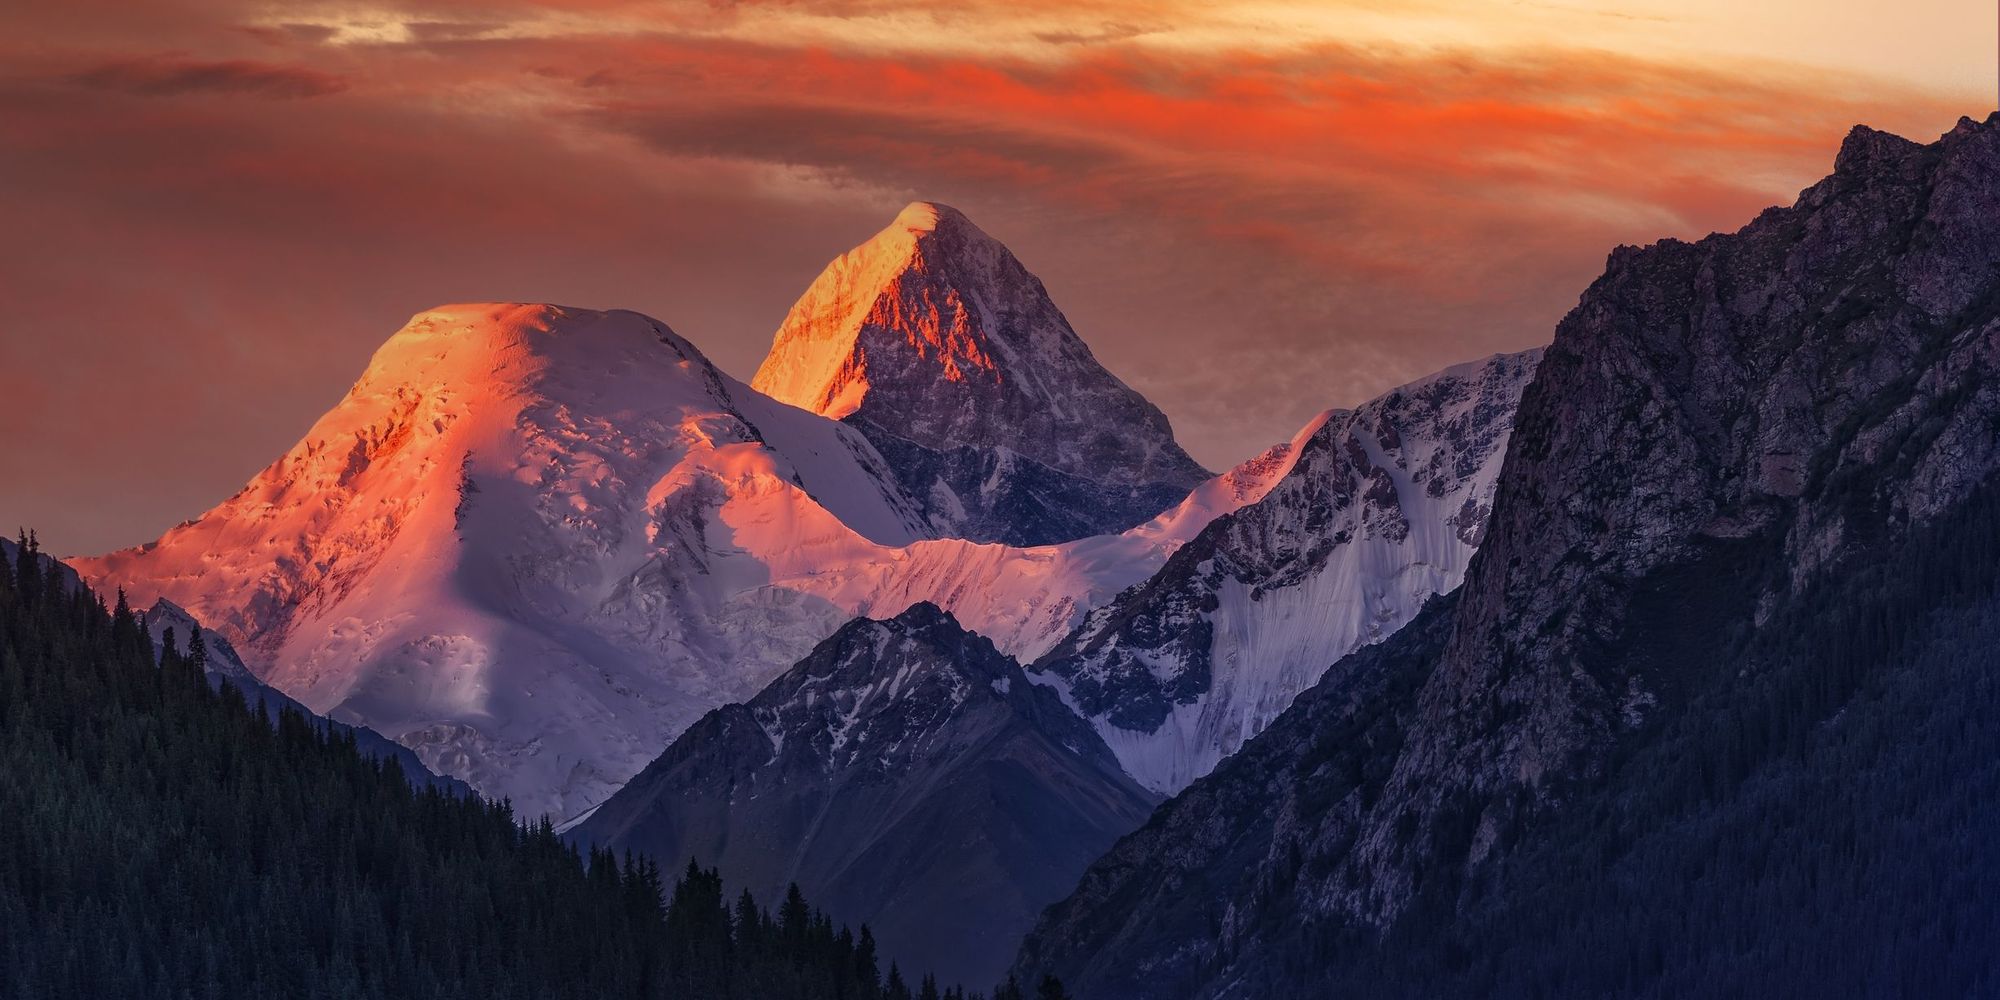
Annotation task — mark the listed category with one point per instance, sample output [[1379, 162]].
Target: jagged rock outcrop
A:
[[1731, 449], [1382, 508]]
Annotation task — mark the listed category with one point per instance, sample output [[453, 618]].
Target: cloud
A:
[[283, 35], [1110, 31], [163, 76], [424, 32]]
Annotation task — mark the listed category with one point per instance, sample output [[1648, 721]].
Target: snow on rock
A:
[[222, 659], [1380, 508], [1025, 599], [1725, 438]]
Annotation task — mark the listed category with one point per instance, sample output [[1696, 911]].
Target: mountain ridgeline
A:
[[1712, 713], [534, 543], [530, 543], [165, 620], [1381, 508], [163, 838]]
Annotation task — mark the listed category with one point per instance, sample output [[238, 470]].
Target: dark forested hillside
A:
[[160, 838]]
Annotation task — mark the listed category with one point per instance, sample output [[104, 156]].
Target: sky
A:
[[215, 210]]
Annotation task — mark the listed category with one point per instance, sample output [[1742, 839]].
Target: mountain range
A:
[[1652, 663], [535, 543]]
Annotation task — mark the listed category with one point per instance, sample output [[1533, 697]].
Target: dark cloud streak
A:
[[1110, 31], [164, 76]]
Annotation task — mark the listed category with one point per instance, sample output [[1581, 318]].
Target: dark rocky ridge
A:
[[997, 495], [907, 776], [1722, 434]]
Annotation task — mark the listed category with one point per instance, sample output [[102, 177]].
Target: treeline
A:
[[159, 838]]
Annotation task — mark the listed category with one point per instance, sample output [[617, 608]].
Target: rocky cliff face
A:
[[1719, 429], [1382, 508], [906, 774], [933, 340]]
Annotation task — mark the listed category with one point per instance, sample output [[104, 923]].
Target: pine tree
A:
[[27, 568], [794, 919], [197, 652], [866, 969]]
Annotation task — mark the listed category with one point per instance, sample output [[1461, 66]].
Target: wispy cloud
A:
[[164, 76], [1110, 31]]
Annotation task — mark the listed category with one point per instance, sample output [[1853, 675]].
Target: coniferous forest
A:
[[159, 838]]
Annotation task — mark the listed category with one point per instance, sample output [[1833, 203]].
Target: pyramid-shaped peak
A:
[[934, 333], [924, 621], [869, 665]]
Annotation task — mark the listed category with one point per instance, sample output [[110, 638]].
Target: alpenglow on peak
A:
[[939, 345]]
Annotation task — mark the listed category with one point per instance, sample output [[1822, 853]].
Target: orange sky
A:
[[1252, 211]]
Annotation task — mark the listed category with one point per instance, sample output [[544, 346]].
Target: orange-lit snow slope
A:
[[534, 543]]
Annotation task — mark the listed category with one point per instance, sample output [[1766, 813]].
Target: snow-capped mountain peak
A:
[[935, 341], [821, 359], [534, 543], [519, 544]]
